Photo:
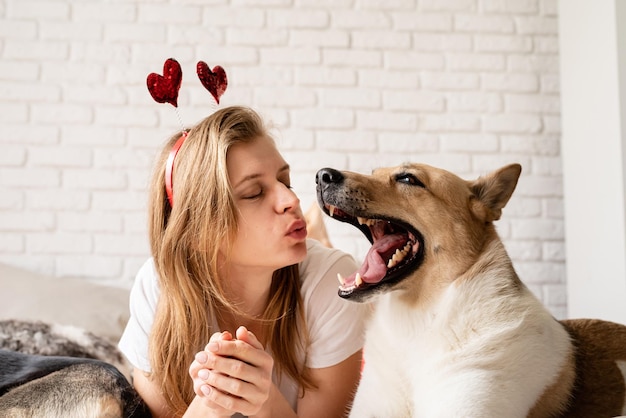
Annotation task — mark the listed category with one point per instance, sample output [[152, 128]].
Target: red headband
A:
[[169, 168], [164, 89]]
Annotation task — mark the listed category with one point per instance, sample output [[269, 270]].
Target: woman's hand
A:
[[233, 375]]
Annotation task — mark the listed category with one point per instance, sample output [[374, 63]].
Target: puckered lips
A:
[[397, 250]]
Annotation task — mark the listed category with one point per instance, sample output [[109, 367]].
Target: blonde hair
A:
[[185, 241]]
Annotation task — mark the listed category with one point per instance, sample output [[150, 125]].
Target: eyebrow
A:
[[257, 175]]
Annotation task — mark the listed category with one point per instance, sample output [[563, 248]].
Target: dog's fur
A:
[[454, 332], [57, 371]]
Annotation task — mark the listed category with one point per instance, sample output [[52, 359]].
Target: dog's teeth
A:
[[362, 221], [358, 280], [342, 281], [331, 210]]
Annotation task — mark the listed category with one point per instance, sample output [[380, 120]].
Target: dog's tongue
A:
[[374, 267]]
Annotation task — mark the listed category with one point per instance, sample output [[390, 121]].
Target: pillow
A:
[[102, 310]]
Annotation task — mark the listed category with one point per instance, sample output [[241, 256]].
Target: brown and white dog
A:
[[454, 332]]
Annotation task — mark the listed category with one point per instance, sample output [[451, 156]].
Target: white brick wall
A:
[[468, 85]]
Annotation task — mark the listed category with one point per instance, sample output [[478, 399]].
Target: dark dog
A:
[[454, 331], [76, 385]]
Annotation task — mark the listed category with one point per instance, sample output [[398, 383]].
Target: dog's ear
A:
[[492, 192]]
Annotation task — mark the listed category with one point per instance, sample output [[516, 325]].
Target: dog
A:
[[453, 330], [54, 371]]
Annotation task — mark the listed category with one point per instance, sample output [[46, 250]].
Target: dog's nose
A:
[[328, 176]]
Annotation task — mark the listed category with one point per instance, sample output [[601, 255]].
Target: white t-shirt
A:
[[335, 325]]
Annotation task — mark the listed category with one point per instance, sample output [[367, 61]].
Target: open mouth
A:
[[397, 250]]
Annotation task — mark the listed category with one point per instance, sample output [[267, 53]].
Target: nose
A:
[[287, 200], [327, 176]]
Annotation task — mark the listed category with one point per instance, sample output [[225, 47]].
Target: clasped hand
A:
[[233, 374]]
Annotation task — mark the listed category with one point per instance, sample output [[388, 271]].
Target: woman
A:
[[234, 287]]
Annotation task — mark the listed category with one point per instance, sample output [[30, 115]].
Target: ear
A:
[[492, 192]]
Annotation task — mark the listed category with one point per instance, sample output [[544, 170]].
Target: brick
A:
[[552, 124], [26, 9], [422, 22], [442, 42], [506, 123], [294, 139], [122, 116], [407, 142], [323, 118], [319, 38], [72, 220], [90, 135], [488, 23], [290, 56], [28, 134], [59, 243], [511, 6], [116, 158], [450, 81], [538, 64], [229, 17], [352, 58], [89, 265], [134, 32], [386, 4], [90, 93], [26, 221], [542, 186], [30, 177], [359, 19], [469, 143], [549, 7], [476, 62], [18, 70], [257, 37], [529, 103], [64, 31], [101, 53], [524, 250], [57, 200], [72, 72], [550, 83], [291, 97], [11, 243], [380, 39], [554, 251], [449, 123], [523, 207], [537, 25], [60, 113], [547, 165], [416, 100], [59, 157], [325, 76], [386, 121], [503, 43], [118, 201], [541, 272], [534, 145], [486, 163], [12, 156], [304, 162], [474, 102], [297, 18], [546, 44], [169, 13], [18, 29], [35, 50], [352, 98], [510, 82], [448, 5], [94, 179], [414, 61], [385, 79], [29, 92], [347, 141], [13, 113], [104, 12], [554, 208]]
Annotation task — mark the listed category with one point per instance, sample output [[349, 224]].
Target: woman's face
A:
[[272, 229]]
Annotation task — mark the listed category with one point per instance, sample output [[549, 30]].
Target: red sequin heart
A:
[[164, 88], [214, 81]]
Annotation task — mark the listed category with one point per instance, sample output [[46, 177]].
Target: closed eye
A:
[[409, 178]]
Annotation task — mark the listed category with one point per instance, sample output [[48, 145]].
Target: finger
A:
[[244, 334], [238, 350], [232, 394]]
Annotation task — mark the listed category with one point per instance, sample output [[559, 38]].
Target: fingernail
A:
[[201, 357], [203, 374], [205, 389], [213, 347]]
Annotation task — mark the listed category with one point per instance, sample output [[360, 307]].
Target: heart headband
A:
[[164, 89]]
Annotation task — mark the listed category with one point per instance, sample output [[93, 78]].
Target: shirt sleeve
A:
[[336, 325], [144, 296]]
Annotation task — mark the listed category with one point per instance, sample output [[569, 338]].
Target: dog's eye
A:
[[409, 179]]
